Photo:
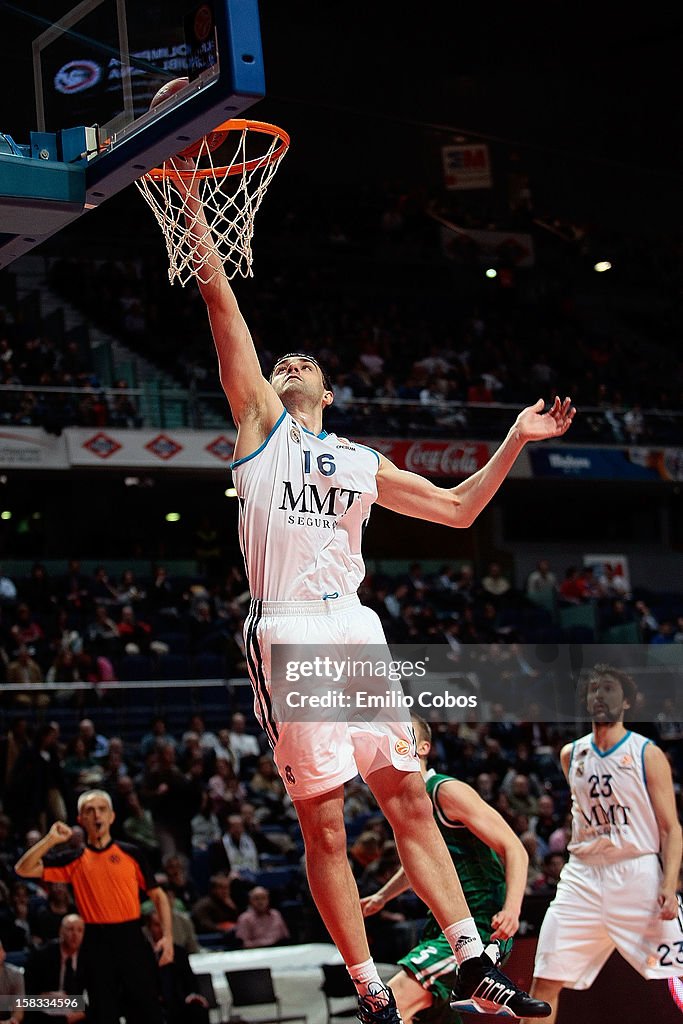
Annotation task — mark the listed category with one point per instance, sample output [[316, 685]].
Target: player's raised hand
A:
[[535, 425], [60, 833]]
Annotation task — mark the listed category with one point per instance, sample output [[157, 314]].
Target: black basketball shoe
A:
[[378, 1007], [482, 988]]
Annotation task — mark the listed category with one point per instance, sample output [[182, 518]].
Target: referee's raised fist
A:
[[60, 832]]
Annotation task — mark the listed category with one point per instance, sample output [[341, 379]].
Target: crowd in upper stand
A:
[[425, 328]]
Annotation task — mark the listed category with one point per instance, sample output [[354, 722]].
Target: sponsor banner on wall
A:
[[466, 167], [31, 448], [147, 449], [615, 564], [590, 464], [433, 458], [667, 463]]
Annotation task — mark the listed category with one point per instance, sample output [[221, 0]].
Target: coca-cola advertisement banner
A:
[[433, 458]]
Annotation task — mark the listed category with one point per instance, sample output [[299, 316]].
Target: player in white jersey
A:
[[305, 497], [618, 889]]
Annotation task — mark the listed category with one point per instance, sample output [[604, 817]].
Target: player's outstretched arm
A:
[[250, 395], [413, 495], [459, 802], [661, 790]]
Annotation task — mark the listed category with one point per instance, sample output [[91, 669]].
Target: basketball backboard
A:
[[96, 68]]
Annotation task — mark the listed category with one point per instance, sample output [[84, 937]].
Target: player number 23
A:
[[665, 953], [598, 790]]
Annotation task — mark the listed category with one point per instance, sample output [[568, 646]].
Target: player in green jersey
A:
[[492, 865]]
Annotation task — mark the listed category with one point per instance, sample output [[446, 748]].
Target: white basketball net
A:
[[229, 201]]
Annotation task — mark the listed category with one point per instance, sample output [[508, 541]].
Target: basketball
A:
[[167, 90]]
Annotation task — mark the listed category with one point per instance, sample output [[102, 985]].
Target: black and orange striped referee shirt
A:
[[106, 883]]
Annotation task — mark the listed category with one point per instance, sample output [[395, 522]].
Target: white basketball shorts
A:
[[318, 750], [598, 909]]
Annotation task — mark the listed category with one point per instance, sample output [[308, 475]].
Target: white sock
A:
[[368, 982], [464, 939]]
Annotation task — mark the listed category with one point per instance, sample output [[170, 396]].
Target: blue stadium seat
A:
[[135, 666], [209, 666], [172, 666], [177, 643]]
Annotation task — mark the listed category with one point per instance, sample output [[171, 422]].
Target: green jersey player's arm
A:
[[413, 495], [459, 802], [253, 403], [661, 792], [392, 888]]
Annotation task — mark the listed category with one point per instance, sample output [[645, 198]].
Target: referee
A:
[[106, 877]]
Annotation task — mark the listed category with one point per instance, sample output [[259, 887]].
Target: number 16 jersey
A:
[[305, 500]]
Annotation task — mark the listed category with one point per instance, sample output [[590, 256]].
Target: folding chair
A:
[[205, 988], [255, 988], [337, 985]]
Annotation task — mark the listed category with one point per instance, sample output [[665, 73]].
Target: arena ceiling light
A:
[[5, 515], [231, 492], [491, 273], [602, 265], [172, 517]]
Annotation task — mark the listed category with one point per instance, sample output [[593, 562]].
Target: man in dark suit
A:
[[55, 969], [178, 988]]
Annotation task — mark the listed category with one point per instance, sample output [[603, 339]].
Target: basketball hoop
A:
[[229, 195]]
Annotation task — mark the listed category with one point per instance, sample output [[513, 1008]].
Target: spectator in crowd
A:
[[103, 634], [178, 883], [225, 790], [216, 911], [11, 985], [236, 849], [546, 821], [261, 924], [522, 801], [95, 743], [158, 731], [134, 633], [45, 921], [172, 800], [541, 582], [103, 591], [36, 790], [57, 967], [181, 1001], [243, 744], [205, 826], [363, 851], [612, 584], [546, 885], [495, 583], [26, 672], [571, 589], [139, 828]]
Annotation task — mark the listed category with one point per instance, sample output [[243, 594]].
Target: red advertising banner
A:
[[433, 458]]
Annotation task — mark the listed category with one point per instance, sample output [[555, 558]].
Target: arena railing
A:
[[154, 407]]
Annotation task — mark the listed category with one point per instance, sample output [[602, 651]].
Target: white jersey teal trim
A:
[[304, 505], [606, 753], [612, 814], [258, 451], [642, 759]]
